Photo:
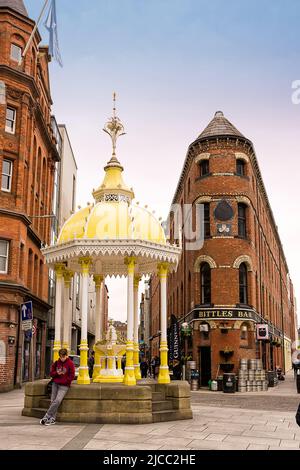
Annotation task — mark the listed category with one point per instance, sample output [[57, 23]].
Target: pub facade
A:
[[237, 283]]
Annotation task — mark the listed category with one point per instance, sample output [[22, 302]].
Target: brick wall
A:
[[31, 149]]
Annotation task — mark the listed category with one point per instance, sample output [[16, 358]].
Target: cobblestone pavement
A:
[[259, 421]]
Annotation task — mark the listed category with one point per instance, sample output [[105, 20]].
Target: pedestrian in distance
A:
[[296, 365], [62, 373], [144, 368], [91, 363], [152, 365], [123, 364]]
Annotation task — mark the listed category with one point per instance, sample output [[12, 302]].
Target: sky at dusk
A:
[[173, 63]]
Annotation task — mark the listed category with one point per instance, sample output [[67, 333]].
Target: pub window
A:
[[10, 125], [206, 220], [240, 167], [4, 246], [242, 226], [243, 284], [204, 167], [7, 168], [244, 331], [204, 330], [205, 276]]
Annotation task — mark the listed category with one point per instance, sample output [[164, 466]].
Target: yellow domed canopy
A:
[[113, 221], [114, 216]]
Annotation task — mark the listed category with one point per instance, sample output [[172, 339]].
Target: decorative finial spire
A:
[[114, 108], [115, 129]]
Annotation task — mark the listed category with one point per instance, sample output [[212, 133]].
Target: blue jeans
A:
[[57, 396]]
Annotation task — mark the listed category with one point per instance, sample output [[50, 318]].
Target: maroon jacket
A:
[[69, 372]]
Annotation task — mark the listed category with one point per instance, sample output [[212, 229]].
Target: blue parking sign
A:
[[27, 311]]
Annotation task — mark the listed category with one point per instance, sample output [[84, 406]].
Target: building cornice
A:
[[16, 215], [22, 290], [9, 72], [26, 220]]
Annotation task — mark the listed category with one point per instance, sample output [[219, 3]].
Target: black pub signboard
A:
[[227, 314]]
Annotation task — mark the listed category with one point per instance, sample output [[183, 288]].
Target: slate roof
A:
[[220, 126], [17, 5]]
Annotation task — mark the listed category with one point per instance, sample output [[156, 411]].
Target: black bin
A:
[[298, 380], [229, 383], [220, 383]]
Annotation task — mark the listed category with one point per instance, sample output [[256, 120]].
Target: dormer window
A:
[[240, 167]]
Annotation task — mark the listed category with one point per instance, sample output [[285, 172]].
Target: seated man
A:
[[62, 373]]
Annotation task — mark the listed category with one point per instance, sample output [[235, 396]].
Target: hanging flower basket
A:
[[186, 329], [226, 352]]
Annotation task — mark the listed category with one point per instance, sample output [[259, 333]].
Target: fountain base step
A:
[[113, 403]]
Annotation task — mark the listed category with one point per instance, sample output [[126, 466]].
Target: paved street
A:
[[221, 421]]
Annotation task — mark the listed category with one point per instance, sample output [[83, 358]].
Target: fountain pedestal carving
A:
[[111, 354]]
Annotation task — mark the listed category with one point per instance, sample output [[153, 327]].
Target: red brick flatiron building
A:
[[239, 278]]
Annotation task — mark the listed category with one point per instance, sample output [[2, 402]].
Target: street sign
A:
[[27, 311], [27, 325]]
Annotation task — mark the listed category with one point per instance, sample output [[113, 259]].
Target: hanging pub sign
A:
[[262, 331]]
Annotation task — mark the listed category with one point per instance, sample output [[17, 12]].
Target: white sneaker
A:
[[50, 421], [43, 420]]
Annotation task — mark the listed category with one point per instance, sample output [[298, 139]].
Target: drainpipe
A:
[[282, 314], [259, 257]]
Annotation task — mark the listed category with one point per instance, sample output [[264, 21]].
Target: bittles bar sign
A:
[[227, 314]]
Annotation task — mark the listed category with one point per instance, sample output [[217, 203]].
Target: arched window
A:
[[243, 284], [204, 330], [244, 332], [205, 276], [242, 226], [240, 167]]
